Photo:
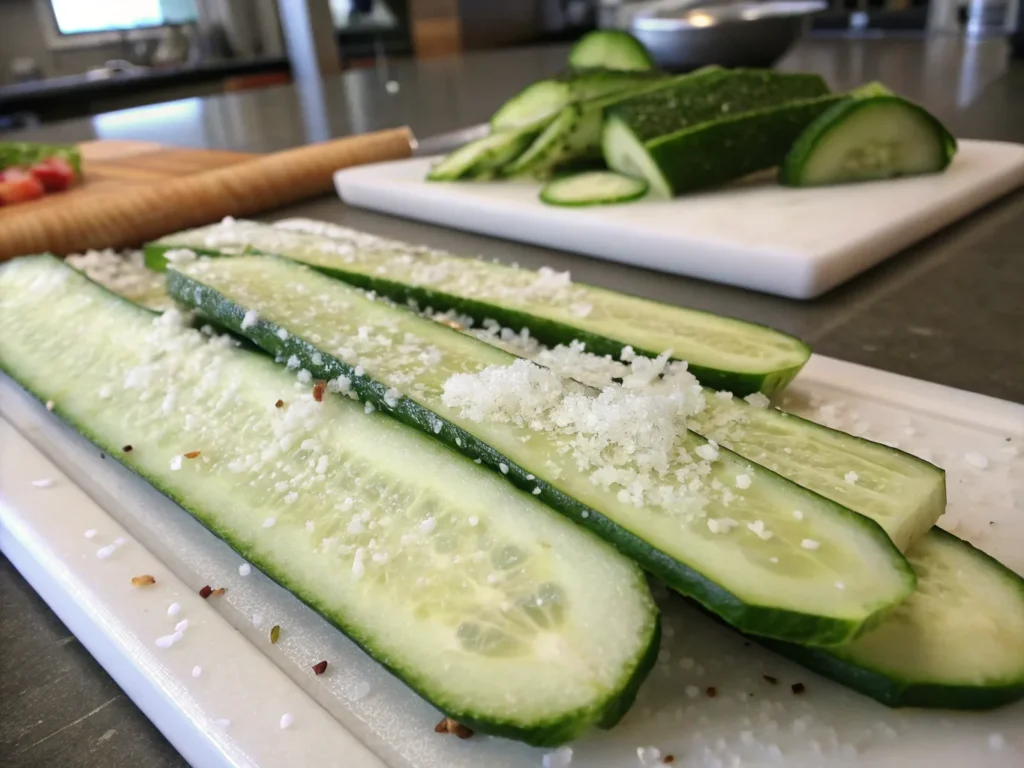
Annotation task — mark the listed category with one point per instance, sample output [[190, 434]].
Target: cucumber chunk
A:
[[956, 643], [724, 353], [820, 579], [483, 156], [866, 139], [593, 188], [710, 153], [476, 595], [610, 49]]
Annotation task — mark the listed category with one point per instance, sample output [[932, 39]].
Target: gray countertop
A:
[[948, 310]]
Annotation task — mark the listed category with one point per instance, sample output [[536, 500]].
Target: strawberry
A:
[[55, 173], [19, 186]]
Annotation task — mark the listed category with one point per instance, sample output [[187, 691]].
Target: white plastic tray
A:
[[357, 716], [759, 235]]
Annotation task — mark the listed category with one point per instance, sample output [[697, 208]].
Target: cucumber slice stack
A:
[[472, 592], [820, 578]]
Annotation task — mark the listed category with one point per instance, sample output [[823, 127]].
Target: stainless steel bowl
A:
[[684, 34]]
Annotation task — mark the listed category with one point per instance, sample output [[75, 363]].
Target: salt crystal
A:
[[104, 552], [758, 400], [743, 481], [474, 520], [42, 483], [269, 522], [692, 691], [798, 515], [648, 755], [996, 742], [427, 526], [178, 635], [707, 452], [176, 463], [810, 544], [287, 719], [360, 691], [166, 641], [90, 533], [560, 758], [173, 609], [197, 671], [244, 569], [503, 467], [840, 585], [181, 626], [282, 334], [119, 541], [250, 319], [289, 498], [851, 477], [536, 492], [975, 459]]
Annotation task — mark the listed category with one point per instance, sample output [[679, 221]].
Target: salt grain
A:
[[977, 460], [244, 569], [250, 319], [798, 515], [560, 758], [176, 463], [810, 544], [181, 626], [996, 742], [504, 468], [257, 619], [648, 756], [269, 522], [692, 691], [90, 533], [42, 483], [287, 719], [197, 671], [851, 477], [360, 691], [104, 552], [743, 481], [166, 641], [173, 609]]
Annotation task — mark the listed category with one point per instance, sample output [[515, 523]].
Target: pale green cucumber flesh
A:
[[625, 153], [823, 594], [535, 104], [905, 495], [480, 598], [724, 353], [481, 156], [956, 643], [610, 49], [868, 138], [593, 188], [545, 151]]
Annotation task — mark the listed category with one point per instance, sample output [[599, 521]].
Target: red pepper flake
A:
[[127, 449], [275, 632], [191, 454], [798, 688], [318, 391], [319, 669], [206, 591], [219, 591], [771, 680], [711, 692], [143, 581], [447, 725], [279, 404], [668, 759]]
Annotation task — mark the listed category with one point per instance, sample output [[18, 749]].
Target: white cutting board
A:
[[358, 716], [792, 242]]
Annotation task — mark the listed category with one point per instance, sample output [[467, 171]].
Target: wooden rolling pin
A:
[[144, 213]]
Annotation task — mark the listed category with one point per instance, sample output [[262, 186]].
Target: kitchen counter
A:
[[948, 310]]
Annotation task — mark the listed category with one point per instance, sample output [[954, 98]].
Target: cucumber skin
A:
[[549, 332], [791, 170], [546, 331], [753, 619], [882, 688], [545, 734], [637, 51], [701, 157], [700, 97]]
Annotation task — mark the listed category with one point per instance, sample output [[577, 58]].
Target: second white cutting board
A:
[[792, 242]]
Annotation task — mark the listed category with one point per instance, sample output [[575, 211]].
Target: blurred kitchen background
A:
[[70, 58]]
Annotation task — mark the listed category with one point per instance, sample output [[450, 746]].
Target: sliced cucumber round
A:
[[879, 136], [955, 643], [548, 148], [593, 188], [482, 157], [610, 49]]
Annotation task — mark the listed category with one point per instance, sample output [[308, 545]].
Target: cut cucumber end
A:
[[480, 598], [593, 188], [610, 49], [868, 138], [625, 153]]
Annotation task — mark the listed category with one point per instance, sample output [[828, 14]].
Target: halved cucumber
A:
[[723, 352], [819, 579], [610, 49], [956, 643], [593, 188], [864, 139], [475, 594], [483, 156]]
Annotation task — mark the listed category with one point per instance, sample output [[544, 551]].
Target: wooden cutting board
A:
[[133, 192], [116, 167]]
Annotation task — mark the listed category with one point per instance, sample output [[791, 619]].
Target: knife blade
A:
[[443, 143]]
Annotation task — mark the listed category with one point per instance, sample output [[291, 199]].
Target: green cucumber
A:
[[956, 643], [710, 153], [865, 139], [610, 49], [551, 147], [821, 579], [488, 604], [711, 94], [724, 353], [905, 495], [534, 105], [483, 156], [593, 188]]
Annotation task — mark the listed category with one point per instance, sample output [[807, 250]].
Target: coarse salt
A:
[[173, 609], [269, 522], [560, 758], [810, 544], [90, 533], [197, 671], [287, 719], [743, 481], [44, 482], [250, 319], [176, 463], [244, 569], [851, 477], [977, 460]]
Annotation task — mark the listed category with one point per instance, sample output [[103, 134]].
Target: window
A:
[[75, 17]]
